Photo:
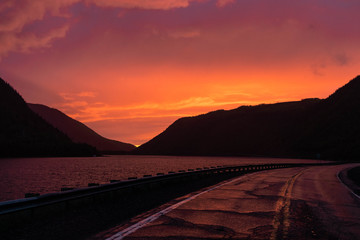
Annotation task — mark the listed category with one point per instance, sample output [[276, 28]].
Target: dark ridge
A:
[[24, 134], [347, 94], [79, 132], [311, 128]]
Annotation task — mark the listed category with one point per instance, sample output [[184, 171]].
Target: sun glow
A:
[[120, 65]]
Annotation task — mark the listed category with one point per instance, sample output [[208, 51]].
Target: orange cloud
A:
[[136, 131], [144, 4], [113, 62], [27, 41], [223, 3], [72, 96], [84, 109], [15, 15]]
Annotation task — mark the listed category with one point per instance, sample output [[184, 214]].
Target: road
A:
[[292, 203]]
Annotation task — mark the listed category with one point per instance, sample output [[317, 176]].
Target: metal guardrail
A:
[[79, 213], [76, 194]]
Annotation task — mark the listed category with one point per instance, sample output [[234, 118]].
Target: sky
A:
[[130, 68]]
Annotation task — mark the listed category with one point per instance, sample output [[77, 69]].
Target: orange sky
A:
[[129, 68]]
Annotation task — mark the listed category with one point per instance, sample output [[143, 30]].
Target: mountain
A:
[[79, 132], [312, 128], [24, 134]]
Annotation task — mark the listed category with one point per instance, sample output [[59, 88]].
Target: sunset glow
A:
[[129, 68]]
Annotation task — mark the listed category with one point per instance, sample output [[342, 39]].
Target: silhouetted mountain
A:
[[79, 132], [23, 133], [311, 128]]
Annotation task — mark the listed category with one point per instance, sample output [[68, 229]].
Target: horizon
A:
[[128, 69]]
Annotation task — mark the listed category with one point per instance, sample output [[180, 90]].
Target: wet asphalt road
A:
[[292, 203]]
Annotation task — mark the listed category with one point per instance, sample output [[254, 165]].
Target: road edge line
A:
[[123, 233], [341, 181]]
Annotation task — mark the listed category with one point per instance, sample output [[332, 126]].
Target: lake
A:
[[45, 175]]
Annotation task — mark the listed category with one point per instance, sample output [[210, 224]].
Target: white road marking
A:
[[346, 185], [142, 223]]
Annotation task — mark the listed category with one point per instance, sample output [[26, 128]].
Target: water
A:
[[45, 175]]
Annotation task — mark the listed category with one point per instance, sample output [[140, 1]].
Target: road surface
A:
[[292, 203]]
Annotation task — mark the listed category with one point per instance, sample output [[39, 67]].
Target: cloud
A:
[[223, 3], [71, 96], [87, 94], [318, 69], [144, 4], [77, 104], [25, 42], [139, 123], [341, 59], [15, 15], [136, 131], [87, 110]]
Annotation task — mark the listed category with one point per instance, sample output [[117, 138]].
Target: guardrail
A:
[[118, 200], [132, 182]]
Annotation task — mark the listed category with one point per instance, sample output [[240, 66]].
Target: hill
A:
[[24, 134], [79, 132], [311, 128]]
